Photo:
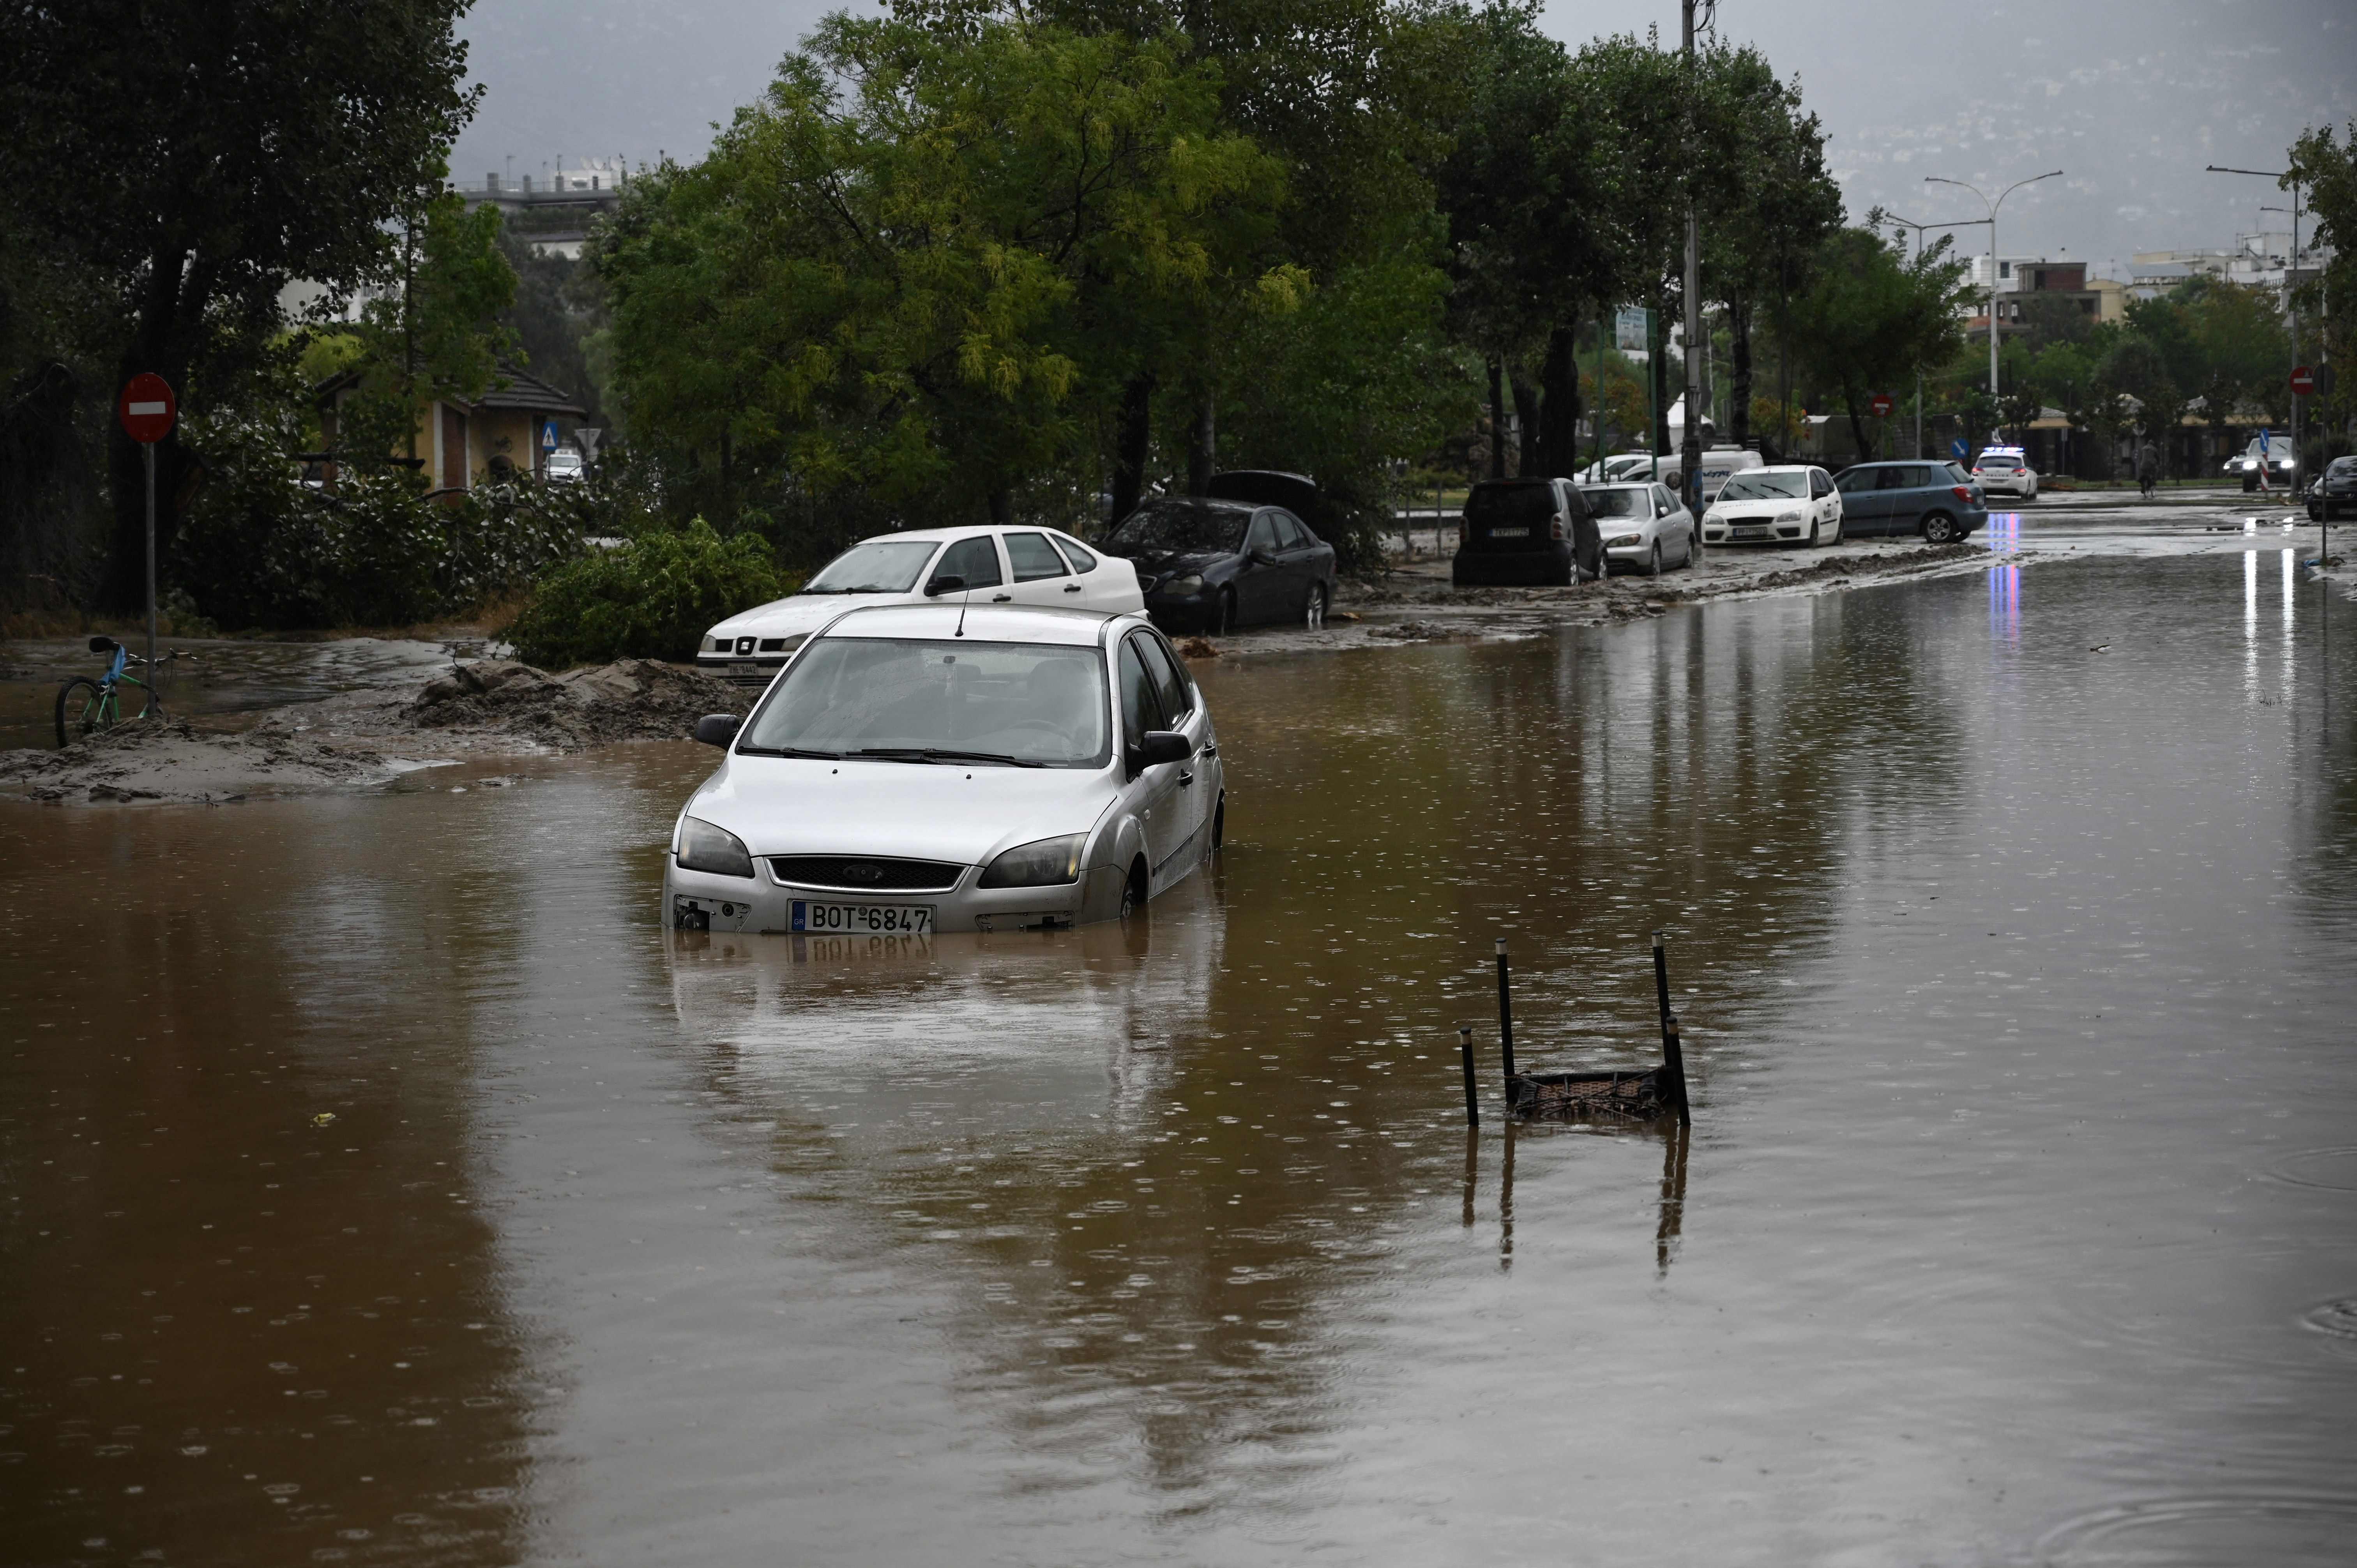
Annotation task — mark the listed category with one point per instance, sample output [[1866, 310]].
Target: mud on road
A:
[[359, 739]]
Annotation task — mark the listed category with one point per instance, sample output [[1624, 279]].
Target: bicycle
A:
[[86, 707]]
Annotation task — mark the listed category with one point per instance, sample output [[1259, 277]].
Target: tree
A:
[[437, 330], [2326, 165], [1871, 316], [2137, 369], [1768, 203], [918, 271], [244, 144], [2239, 347]]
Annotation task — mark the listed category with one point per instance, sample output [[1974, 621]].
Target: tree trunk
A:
[[1526, 428], [1557, 447], [1002, 506], [1204, 449], [1739, 384], [1497, 420], [1857, 423], [1133, 442]]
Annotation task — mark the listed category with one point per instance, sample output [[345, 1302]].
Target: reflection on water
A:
[[2015, 978]]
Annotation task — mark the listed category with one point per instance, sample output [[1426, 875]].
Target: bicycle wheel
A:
[[84, 707]]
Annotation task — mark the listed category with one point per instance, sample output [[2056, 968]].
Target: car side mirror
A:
[[947, 583], [1159, 746], [718, 729], [1261, 558]]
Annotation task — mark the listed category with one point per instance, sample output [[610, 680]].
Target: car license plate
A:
[[1510, 533], [863, 919], [1751, 534]]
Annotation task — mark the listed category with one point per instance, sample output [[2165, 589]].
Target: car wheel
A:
[[1941, 529], [1654, 560], [1220, 825], [1133, 889], [2249, 484], [1313, 612], [1817, 535], [1223, 613]]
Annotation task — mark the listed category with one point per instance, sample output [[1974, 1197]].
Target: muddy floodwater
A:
[[384, 1185]]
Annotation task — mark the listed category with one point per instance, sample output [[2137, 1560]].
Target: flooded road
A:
[[386, 1185]]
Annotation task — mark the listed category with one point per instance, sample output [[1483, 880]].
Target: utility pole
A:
[[2291, 299], [1993, 206], [1690, 449], [1919, 227]]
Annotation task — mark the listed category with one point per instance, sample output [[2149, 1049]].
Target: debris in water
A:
[[323, 1118]]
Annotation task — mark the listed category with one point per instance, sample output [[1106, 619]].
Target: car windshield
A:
[[2343, 467], [1183, 526], [1023, 704], [1509, 503], [1760, 485], [1621, 467], [878, 567], [1624, 501], [2001, 457]]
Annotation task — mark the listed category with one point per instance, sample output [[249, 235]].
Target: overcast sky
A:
[[2129, 98]]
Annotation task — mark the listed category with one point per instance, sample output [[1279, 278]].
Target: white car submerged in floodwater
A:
[[952, 768], [992, 565]]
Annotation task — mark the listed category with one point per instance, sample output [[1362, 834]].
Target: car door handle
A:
[[1001, 598], [1072, 588], [1185, 777]]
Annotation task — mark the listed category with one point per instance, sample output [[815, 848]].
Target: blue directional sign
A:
[[1956, 448]]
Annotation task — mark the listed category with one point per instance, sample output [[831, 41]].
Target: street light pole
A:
[[1993, 206], [1690, 468], [2291, 301], [1919, 227]]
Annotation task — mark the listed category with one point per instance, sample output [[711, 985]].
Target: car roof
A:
[[982, 623], [1212, 503], [1782, 469], [1621, 485], [931, 535]]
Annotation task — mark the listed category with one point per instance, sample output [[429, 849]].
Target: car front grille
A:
[[866, 874]]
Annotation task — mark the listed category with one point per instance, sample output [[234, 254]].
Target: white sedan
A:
[[1642, 526], [990, 566], [1790, 503], [2006, 470], [949, 768]]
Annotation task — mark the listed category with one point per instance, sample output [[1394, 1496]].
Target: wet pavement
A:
[[386, 1185]]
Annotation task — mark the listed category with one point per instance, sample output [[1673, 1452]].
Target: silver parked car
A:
[[1643, 525], [944, 768]]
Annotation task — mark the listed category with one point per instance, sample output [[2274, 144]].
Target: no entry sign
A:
[[147, 408], [2303, 381], [1883, 403]]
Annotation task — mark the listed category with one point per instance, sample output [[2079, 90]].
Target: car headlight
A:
[[1714, 517], [1788, 517], [1193, 582], [703, 848], [1622, 540], [1044, 862]]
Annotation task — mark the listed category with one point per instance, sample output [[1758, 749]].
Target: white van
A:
[[1719, 464]]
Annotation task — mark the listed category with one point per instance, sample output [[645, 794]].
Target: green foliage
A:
[[2326, 167], [651, 597], [437, 330], [909, 271], [187, 162], [1870, 318], [262, 550]]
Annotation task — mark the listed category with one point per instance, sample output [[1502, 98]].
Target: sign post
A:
[[147, 410]]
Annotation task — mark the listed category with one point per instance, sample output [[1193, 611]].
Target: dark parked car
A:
[[1938, 501], [1213, 565], [2334, 494], [1527, 531]]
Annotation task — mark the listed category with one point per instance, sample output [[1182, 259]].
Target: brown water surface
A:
[[386, 1185]]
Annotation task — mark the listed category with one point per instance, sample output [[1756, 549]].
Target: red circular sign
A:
[[147, 408], [2303, 381], [1883, 403]]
